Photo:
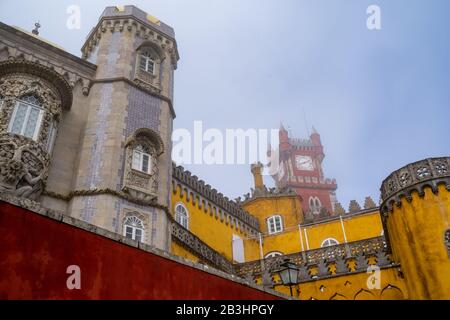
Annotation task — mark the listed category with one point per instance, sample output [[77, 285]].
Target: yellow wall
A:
[[211, 230], [357, 227], [351, 287], [416, 234]]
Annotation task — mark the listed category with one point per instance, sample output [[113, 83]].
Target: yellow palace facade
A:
[[345, 255]]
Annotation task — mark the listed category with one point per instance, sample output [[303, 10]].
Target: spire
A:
[[282, 127], [314, 131]]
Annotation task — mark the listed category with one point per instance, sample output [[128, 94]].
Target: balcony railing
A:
[[325, 262], [200, 249]]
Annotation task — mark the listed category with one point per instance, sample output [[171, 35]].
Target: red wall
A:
[[35, 252]]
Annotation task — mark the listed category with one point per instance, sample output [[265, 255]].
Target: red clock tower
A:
[[301, 170]]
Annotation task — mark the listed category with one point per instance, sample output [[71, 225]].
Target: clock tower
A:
[[301, 170]]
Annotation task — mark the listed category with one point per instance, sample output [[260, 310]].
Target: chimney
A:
[[256, 169]]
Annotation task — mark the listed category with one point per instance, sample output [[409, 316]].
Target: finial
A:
[[314, 131], [36, 29]]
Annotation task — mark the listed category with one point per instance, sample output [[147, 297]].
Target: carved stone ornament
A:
[[23, 166], [142, 185], [24, 161]]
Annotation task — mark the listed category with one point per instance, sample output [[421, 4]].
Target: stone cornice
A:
[[120, 194], [416, 176], [35, 49]]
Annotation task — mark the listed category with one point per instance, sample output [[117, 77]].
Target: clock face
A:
[[304, 163]]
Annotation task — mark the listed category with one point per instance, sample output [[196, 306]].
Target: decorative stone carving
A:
[[323, 258], [139, 184], [24, 162], [23, 166]]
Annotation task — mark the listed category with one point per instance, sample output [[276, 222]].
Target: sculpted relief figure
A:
[[16, 176]]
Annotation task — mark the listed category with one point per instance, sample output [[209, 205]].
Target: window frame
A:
[[29, 107], [142, 155], [273, 219], [134, 228], [147, 58], [329, 240], [178, 214]]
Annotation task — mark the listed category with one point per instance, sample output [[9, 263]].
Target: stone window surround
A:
[[143, 217], [137, 183], [29, 107], [133, 227], [152, 79]]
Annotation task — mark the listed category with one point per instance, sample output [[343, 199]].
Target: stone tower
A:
[[123, 172], [416, 217], [301, 170]]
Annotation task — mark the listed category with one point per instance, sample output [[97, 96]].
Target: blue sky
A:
[[379, 99]]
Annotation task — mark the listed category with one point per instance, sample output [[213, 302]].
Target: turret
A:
[[416, 215], [256, 169]]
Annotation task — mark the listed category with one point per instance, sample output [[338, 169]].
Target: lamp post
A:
[[288, 273]]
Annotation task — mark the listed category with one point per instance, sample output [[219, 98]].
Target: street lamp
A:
[[288, 273]]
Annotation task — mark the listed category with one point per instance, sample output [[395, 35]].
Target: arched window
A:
[[133, 228], [147, 62], [141, 160], [182, 215], [273, 254], [274, 224], [314, 204], [329, 242], [27, 117]]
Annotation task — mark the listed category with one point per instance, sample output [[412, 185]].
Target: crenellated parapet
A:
[[414, 177], [212, 201]]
